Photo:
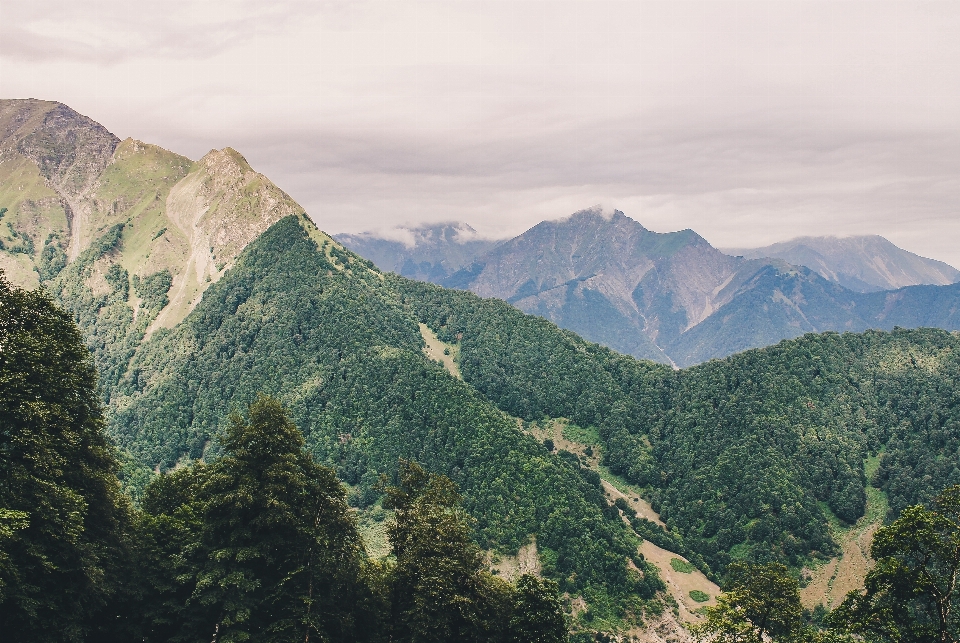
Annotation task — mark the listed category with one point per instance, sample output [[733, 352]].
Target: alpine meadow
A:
[[219, 423]]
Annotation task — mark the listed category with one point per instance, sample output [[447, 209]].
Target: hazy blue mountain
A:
[[672, 297], [864, 263], [606, 277], [430, 252]]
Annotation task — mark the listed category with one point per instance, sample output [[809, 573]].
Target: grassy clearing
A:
[[441, 352], [586, 436], [372, 524], [682, 566], [829, 583]]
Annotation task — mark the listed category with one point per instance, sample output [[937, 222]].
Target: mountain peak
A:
[[866, 263], [429, 251]]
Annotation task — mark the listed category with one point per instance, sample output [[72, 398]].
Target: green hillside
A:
[[745, 457], [319, 328]]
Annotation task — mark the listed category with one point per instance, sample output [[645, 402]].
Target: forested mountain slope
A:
[[300, 318], [862, 263], [746, 456]]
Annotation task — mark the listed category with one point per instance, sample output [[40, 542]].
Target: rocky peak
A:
[[70, 149]]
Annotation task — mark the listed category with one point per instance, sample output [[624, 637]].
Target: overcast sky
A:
[[750, 122]]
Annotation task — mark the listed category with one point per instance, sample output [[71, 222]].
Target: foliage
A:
[[759, 603], [681, 566], [153, 289], [62, 517], [913, 592], [258, 545], [699, 596], [52, 259], [24, 243]]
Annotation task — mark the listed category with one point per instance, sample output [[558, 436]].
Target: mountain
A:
[[607, 278], [198, 285], [428, 253], [674, 298], [862, 264], [580, 463], [66, 180]]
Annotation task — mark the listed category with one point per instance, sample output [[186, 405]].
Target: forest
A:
[[745, 458], [748, 460], [257, 545]]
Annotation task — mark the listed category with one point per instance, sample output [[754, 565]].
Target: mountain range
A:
[[674, 298], [862, 264], [198, 285]]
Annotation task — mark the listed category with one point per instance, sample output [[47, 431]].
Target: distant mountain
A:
[[606, 277], [428, 252], [672, 297], [863, 264]]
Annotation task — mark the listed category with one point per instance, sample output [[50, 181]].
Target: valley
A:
[[201, 289]]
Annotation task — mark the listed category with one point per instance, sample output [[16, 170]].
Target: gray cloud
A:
[[749, 122]]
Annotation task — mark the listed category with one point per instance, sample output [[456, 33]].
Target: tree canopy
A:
[[62, 516]]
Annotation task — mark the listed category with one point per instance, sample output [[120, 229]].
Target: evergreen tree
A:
[[439, 591], [267, 550], [63, 519]]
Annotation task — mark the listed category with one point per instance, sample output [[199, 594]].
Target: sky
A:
[[750, 122]]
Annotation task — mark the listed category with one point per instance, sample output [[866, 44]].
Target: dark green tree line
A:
[[63, 521]]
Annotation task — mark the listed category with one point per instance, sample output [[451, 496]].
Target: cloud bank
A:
[[750, 122]]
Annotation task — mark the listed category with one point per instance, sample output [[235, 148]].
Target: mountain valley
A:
[[565, 380]]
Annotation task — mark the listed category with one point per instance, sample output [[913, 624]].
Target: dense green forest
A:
[[258, 545], [746, 459], [743, 457]]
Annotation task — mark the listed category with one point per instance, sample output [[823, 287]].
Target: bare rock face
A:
[[608, 278], [70, 149]]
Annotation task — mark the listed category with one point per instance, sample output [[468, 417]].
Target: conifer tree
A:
[[440, 591], [267, 546], [63, 519]]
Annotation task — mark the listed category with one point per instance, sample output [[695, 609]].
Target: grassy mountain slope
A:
[[65, 182], [862, 264], [300, 318]]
